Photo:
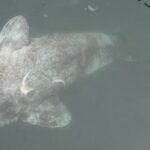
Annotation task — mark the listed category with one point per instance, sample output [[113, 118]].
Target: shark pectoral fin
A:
[[15, 33], [50, 113]]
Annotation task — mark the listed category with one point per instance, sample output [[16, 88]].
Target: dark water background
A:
[[110, 109]]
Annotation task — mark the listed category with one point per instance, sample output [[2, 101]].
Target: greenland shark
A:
[[33, 71]]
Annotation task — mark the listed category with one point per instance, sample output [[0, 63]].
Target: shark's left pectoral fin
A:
[[50, 113]]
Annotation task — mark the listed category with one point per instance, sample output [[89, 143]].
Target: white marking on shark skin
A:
[[59, 81], [92, 8], [25, 89]]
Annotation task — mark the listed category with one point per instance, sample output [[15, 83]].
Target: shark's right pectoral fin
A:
[[50, 113], [15, 33]]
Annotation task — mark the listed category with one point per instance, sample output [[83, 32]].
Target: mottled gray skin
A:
[[34, 70]]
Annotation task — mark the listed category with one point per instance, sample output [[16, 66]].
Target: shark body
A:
[[34, 70]]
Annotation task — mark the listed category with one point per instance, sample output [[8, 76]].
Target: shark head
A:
[[19, 99]]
